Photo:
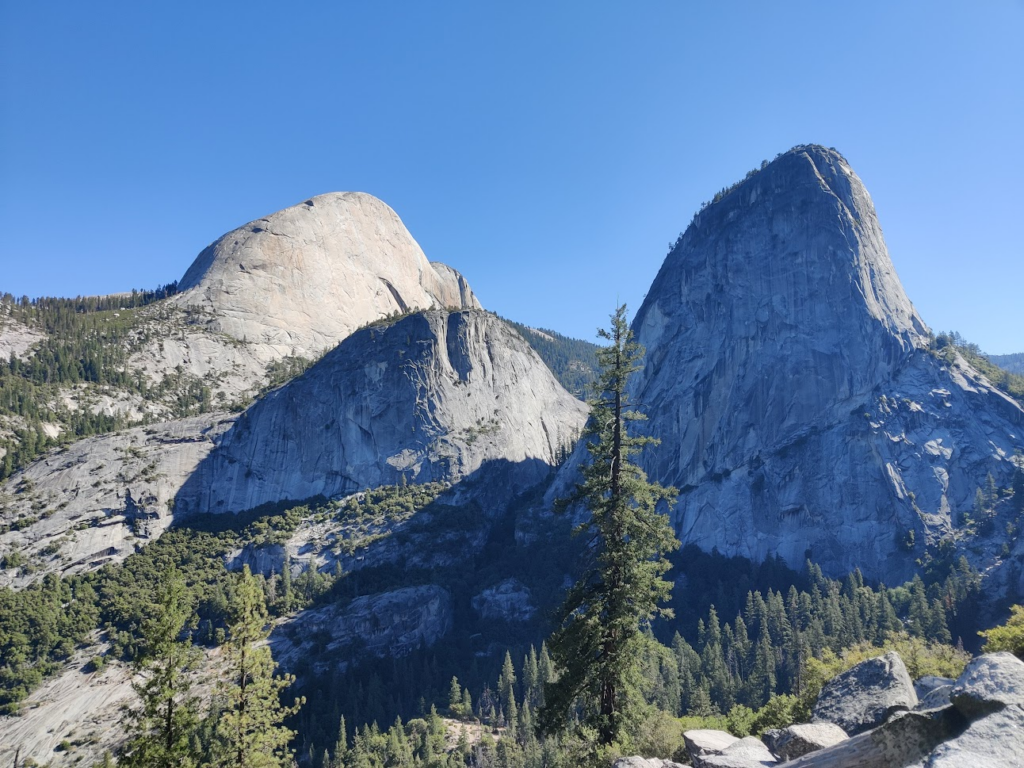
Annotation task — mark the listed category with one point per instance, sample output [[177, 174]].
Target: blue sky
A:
[[549, 151]]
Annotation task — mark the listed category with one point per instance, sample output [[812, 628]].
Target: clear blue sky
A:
[[549, 151]]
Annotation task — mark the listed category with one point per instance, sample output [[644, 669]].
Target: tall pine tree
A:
[[251, 730], [597, 644], [161, 724]]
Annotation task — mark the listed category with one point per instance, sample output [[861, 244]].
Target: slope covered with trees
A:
[[1010, 363], [573, 361]]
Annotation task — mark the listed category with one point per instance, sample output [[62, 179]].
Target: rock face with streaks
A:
[[789, 379], [435, 396], [306, 277], [93, 502]]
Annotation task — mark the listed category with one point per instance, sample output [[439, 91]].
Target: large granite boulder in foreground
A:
[[982, 728], [995, 741], [702, 743], [748, 752], [803, 738], [905, 740], [866, 695], [645, 762], [989, 683]]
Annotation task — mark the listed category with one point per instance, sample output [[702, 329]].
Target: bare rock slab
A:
[[748, 752], [905, 740], [995, 741], [988, 684], [703, 743], [935, 698], [925, 685], [804, 738], [645, 762], [866, 695]]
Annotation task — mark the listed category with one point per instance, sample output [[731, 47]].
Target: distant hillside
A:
[[573, 361], [1011, 363], [1004, 377]]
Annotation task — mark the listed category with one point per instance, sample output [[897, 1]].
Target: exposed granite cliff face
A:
[[306, 277], [434, 396], [788, 378], [68, 512]]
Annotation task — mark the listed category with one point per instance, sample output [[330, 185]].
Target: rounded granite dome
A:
[[307, 276]]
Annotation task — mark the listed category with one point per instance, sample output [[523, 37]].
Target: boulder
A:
[[906, 739], [995, 741], [704, 743], [925, 685], [645, 762], [866, 695], [748, 752], [804, 738], [772, 737], [988, 684], [935, 698]]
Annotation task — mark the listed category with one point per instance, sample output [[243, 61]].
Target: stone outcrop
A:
[[388, 624], [984, 726], [903, 740], [702, 743], [935, 698], [304, 278], [645, 762], [925, 685], [788, 377], [84, 491], [16, 338], [803, 738], [748, 752], [508, 600], [995, 741], [866, 695], [435, 396], [990, 683]]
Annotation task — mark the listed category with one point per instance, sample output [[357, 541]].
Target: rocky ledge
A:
[[871, 717]]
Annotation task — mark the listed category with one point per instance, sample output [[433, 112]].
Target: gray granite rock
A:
[[788, 379], [866, 695], [994, 741], [645, 762], [84, 485], [989, 683], [803, 738], [748, 752], [702, 743], [306, 277], [935, 698], [905, 739], [387, 624], [435, 396], [928, 683], [508, 600]]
